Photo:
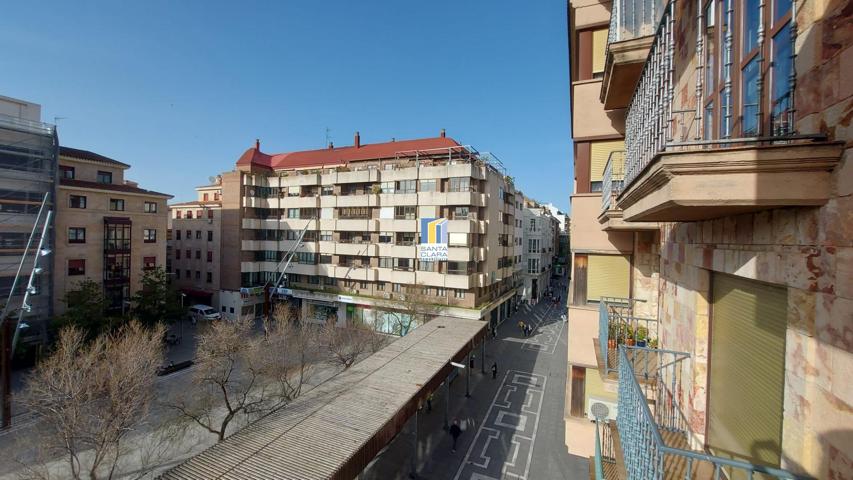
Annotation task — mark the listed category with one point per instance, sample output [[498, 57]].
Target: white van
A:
[[203, 312]]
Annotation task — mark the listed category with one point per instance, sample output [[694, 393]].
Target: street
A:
[[512, 426]]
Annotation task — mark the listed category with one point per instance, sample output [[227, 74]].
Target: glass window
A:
[[76, 267], [386, 237], [781, 8], [457, 268], [750, 26], [327, 190], [405, 264], [210, 278], [149, 262], [198, 254], [105, 177], [210, 235], [386, 262], [407, 186], [76, 235], [294, 191], [77, 201], [325, 236], [292, 213], [406, 238], [326, 259], [780, 110], [460, 294], [460, 213], [149, 235], [198, 234], [66, 172], [405, 213], [428, 185], [150, 207], [749, 87], [396, 287], [427, 266], [710, 48], [460, 184], [116, 204], [387, 187]]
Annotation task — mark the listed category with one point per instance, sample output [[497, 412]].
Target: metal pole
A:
[[33, 273], [23, 260], [414, 464], [446, 401], [6, 361], [483, 357], [468, 378]]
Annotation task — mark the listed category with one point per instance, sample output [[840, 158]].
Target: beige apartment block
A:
[[362, 208], [195, 247], [715, 144], [108, 229], [541, 233]]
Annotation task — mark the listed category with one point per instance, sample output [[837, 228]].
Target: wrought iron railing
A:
[[617, 325], [611, 183], [641, 428], [655, 123], [604, 452]]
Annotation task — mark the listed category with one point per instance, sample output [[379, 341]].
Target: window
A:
[[149, 263], [407, 186], [209, 256], [66, 172], [198, 254], [149, 235], [189, 254], [294, 191], [599, 49], [578, 382], [189, 234], [76, 235], [380, 286], [427, 266], [189, 214], [325, 236], [116, 204], [198, 275], [405, 213], [209, 213], [308, 258], [532, 224], [354, 212], [177, 254], [532, 245], [386, 187], [77, 201], [428, 185], [386, 237], [177, 274], [532, 265], [189, 274], [457, 268], [177, 214], [460, 184], [459, 294], [327, 259], [396, 287], [327, 190], [460, 213], [749, 87], [105, 177], [204, 197], [210, 278], [198, 234], [76, 267], [362, 285], [150, 207], [313, 280], [199, 213], [292, 213], [781, 116], [386, 262], [330, 281], [406, 238]]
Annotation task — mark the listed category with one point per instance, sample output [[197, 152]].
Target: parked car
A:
[[203, 312]]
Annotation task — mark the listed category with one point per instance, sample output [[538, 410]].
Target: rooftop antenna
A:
[[57, 119], [328, 137]]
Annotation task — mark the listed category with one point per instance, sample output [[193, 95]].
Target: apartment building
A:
[[385, 223], [540, 242], [28, 151], [195, 247], [713, 173], [108, 229]]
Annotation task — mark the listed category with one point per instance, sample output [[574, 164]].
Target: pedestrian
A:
[[455, 431], [471, 362], [429, 403], [494, 370], [521, 326]]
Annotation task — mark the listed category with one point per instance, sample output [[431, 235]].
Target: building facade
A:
[[540, 239], [713, 163], [28, 159], [108, 229], [195, 247], [367, 211]]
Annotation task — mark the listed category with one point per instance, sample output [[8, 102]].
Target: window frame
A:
[[77, 239]]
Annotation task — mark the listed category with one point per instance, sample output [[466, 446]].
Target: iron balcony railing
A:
[[655, 123], [618, 325], [643, 428], [611, 183], [631, 19]]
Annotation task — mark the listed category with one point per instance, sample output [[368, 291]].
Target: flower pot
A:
[[641, 343], [629, 342], [611, 344]]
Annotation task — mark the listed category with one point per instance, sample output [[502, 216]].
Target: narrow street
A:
[[512, 426]]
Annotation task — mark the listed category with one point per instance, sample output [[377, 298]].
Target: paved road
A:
[[513, 425]]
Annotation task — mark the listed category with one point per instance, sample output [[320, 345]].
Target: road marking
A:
[[508, 431], [545, 339]]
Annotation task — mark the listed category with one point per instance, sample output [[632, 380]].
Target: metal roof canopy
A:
[[336, 429]]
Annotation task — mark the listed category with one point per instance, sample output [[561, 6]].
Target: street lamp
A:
[[183, 295]]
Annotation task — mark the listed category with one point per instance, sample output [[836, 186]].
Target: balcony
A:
[[652, 435], [610, 217], [681, 166], [632, 28], [618, 325]]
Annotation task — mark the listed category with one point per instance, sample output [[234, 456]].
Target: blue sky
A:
[[180, 89]]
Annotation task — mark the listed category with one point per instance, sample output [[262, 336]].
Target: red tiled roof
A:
[[67, 182], [91, 156], [341, 155]]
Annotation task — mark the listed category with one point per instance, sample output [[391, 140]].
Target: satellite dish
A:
[[212, 180], [599, 411]]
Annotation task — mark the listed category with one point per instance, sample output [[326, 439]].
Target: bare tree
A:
[[93, 396], [411, 309], [348, 343], [241, 374]]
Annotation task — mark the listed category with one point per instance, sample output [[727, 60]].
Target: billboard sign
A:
[[433, 246]]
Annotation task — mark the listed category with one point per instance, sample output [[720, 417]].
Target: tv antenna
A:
[[328, 137]]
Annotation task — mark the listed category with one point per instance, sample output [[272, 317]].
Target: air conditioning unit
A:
[[612, 408]]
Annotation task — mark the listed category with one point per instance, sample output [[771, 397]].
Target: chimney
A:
[[257, 144], [442, 134], [357, 140]]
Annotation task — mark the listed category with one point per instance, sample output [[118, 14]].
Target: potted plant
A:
[[629, 336], [375, 189], [642, 336], [653, 343], [612, 334]]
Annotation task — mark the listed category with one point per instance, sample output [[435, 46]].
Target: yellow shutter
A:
[[747, 370], [607, 276], [599, 46], [598, 154]]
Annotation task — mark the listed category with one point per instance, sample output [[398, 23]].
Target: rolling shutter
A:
[[747, 370], [608, 276], [598, 154], [599, 48]]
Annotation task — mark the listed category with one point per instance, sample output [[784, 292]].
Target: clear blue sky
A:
[[179, 89]]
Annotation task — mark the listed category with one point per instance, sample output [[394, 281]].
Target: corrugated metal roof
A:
[[334, 430]]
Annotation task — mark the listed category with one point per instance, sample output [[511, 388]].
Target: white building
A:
[[540, 234]]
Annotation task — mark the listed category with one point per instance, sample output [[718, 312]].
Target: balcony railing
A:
[[654, 439], [617, 325], [656, 122], [612, 181]]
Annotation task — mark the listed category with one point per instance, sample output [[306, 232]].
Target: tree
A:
[[156, 302], [85, 309], [412, 309], [348, 343], [240, 374], [92, 395]]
